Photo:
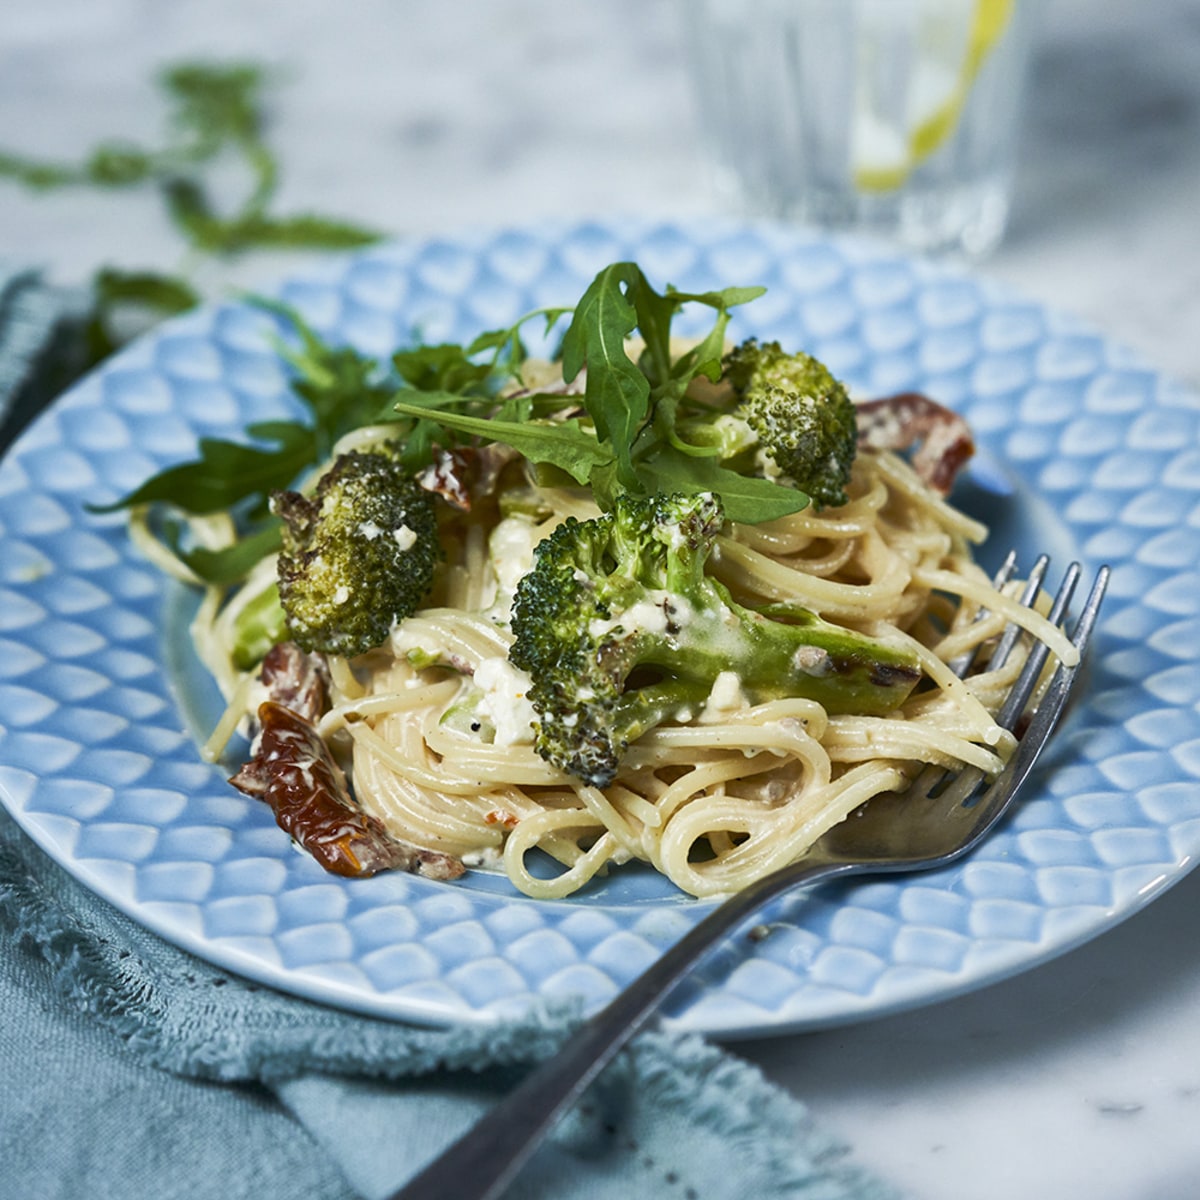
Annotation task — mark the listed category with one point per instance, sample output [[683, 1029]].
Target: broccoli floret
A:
[[620, 629], [358, 555], [802, 417]]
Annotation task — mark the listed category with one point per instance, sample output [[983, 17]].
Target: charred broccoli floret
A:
[[358, 554], [802, 418], [620, 629]]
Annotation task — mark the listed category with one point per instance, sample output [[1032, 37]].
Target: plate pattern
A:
[[1083, 448]]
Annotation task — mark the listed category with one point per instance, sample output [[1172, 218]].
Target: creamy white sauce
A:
[[504, 701], [657, 612], [486, 858], [510, 552], [726, 696], [766, 465]]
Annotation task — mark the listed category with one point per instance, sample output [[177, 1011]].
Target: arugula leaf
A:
[[433, 400], [563, 444], [300, 231], [228, 473], [617, 394], [109, 165], [704, 358], [34, 173], [343, 388], [507, 345], [428, 430], [215, 102], [342, 392], [418, 445], [701, 360], [450, 379], [219, 104], [635, 444], [442, 368], [164, 293], [747, 499], [231, 563], [634, 406], [215, 105]]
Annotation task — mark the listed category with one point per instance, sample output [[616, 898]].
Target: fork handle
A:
[[484, 1160]]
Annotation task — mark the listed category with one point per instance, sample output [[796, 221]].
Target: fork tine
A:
[[995, 801], [1033, 586], [1018, 697], [1091, 609], [965, 781], [1048, 711], [956, 788], [963, 662]]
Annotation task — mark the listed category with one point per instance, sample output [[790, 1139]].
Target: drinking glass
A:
[[897, 117]]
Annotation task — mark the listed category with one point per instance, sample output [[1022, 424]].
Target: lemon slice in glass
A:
[[952, 42]]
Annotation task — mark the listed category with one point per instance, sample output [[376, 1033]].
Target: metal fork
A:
[[939, 818]]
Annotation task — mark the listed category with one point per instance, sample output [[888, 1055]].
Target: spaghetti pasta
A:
[[713, 801], [417, 628]]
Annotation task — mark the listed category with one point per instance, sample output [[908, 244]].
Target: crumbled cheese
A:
[[726, 696], [510, 551], [486, 858], [659, 612], [812, 660], [766, 466], [405, 538], [341, 595], [504, 701]]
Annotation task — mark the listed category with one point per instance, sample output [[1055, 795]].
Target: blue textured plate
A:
[[1085, 451]]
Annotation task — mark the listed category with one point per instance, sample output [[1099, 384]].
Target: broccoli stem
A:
[[259, 625], [620, 628], [844, 671]]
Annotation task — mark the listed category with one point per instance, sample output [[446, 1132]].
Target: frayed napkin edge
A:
[[764, 1126]]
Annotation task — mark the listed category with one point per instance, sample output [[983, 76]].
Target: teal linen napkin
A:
[[132, 1069]]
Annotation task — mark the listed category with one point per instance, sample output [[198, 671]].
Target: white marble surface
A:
[[1080, 1078]]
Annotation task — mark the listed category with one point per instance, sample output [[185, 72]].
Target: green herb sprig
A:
[[628, 438], [340, 389], [216, 111], [621, 436]]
